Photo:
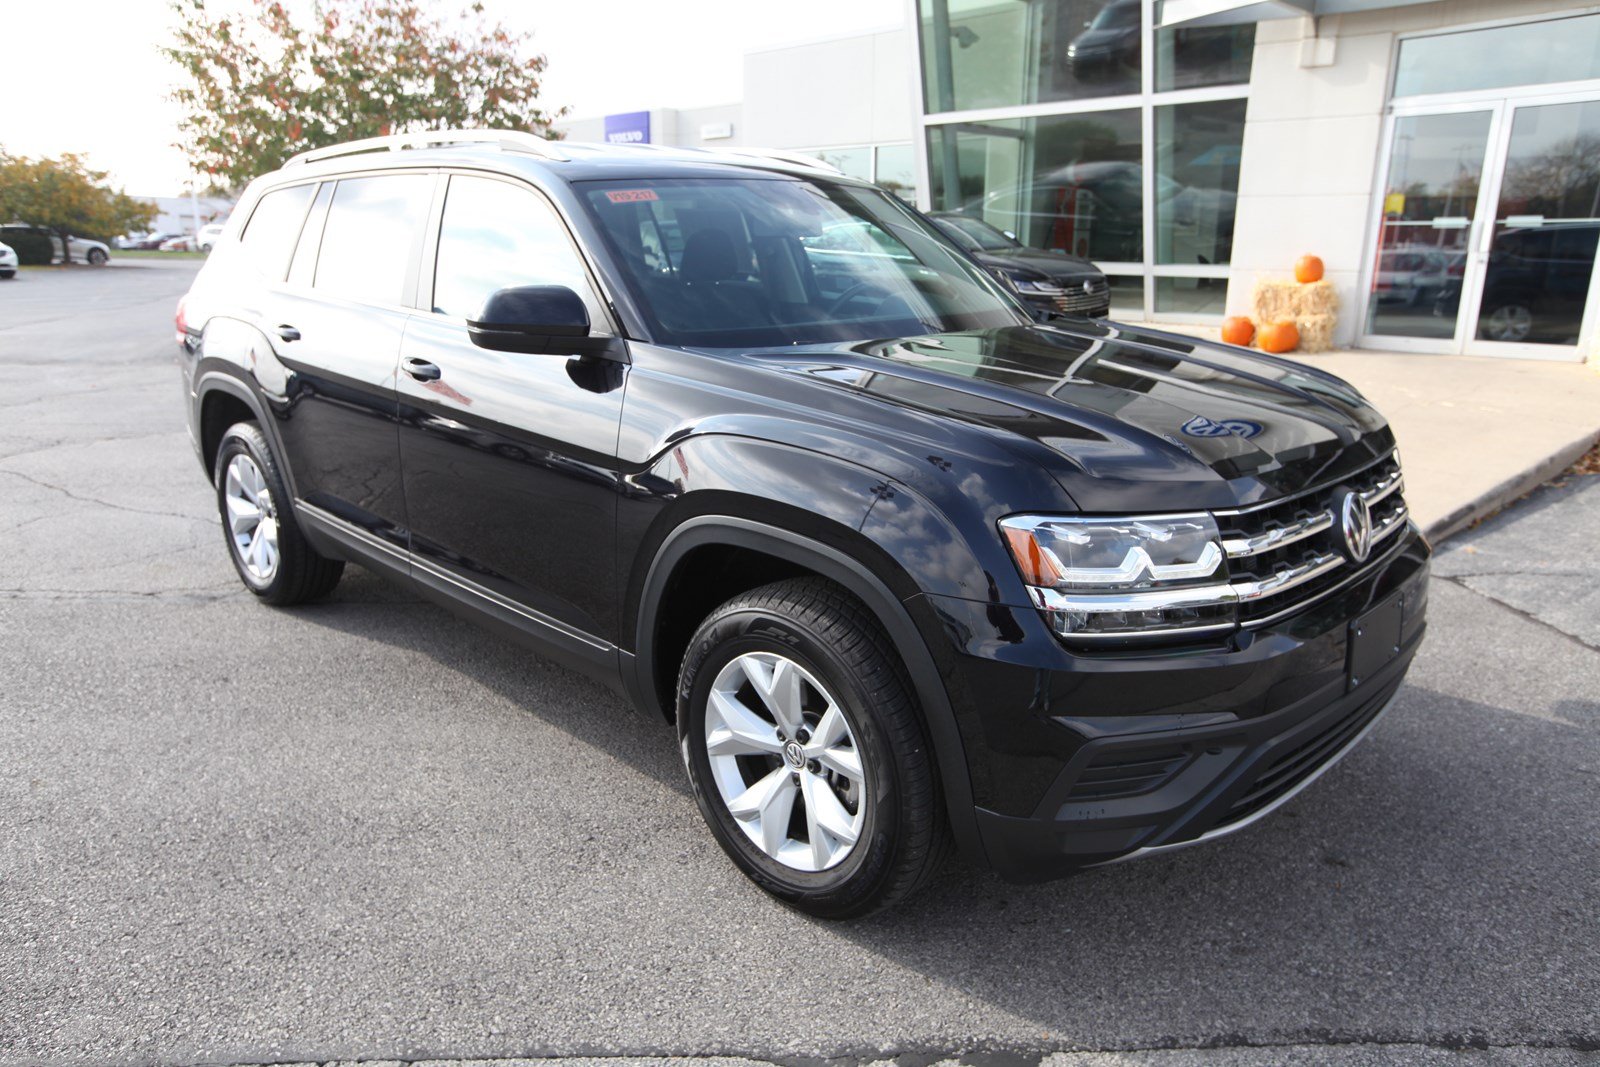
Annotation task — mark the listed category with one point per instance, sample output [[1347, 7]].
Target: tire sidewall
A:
[[245, 439], [744, 629]]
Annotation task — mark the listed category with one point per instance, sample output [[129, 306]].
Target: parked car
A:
[[903, 568], [181, 243], [8, 261], [1413, 276], [1535, 285], [95, 253], [1109, 43], [1052, 282], [153, 240], [125, 241], [206, 239]]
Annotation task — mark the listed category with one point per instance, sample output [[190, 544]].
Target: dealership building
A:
[[1443, 159]]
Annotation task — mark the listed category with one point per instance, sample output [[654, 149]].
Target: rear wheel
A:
[[271, 555], [806, 753]]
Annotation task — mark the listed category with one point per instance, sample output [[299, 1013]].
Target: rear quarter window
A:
[[274, 227]]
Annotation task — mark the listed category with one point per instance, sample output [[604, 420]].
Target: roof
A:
[[571, 160]]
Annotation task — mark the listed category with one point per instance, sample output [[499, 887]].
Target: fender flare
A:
[[228, 381], [889, 610]]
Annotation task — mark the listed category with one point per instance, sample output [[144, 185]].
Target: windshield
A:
[[756, 262], [974, 233]]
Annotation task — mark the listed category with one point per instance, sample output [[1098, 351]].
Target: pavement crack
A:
[[1459, 581], [69, 494]]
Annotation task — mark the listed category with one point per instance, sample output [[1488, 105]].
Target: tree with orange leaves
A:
[[259, 88]]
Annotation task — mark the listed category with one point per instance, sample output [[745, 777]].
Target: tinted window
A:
[[372, 229], [495, 235], [273, 229], [733, 262]]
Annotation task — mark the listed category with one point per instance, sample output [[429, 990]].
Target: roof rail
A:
[[505, 140], [794, 159]]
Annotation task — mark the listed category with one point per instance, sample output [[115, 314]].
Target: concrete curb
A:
[[1516, 486]]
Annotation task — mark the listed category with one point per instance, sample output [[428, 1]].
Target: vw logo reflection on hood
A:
[[1200, 426]]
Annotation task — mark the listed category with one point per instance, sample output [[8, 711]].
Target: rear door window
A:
[[371, 236]]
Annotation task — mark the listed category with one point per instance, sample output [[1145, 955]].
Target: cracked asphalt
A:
[[366, 831]]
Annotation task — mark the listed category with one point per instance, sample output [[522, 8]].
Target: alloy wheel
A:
[[785, 761], [1510, 322], [252, 518]]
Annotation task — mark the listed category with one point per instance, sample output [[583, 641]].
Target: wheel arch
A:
[[804, 554]]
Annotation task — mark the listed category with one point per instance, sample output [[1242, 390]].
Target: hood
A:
[[1050, 264], [1124, 417]]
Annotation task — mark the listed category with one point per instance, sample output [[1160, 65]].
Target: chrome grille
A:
[[1074, 298], [1283, 554]]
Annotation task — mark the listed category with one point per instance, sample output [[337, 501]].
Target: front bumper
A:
[[1080, 759]]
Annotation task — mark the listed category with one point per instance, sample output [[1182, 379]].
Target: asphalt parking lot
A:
[[364, 830]]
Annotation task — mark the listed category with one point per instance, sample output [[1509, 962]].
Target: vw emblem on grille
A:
[[1088, 288], [1355, 524]]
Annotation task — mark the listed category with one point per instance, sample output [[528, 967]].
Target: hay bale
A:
[[1316, 332], [1285, 298], [1317, 298], [1314, 307], [1273, 299]]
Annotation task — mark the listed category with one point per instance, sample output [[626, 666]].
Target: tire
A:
[[97, 257], [279, 566], [8, 274], [837, 656]]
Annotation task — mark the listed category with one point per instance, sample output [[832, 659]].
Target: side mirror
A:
[[538, 319]]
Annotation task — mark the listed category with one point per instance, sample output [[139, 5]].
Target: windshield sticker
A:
[[630, 196]]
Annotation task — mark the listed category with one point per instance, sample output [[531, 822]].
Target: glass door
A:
[[1430, 206], [1534, 280]]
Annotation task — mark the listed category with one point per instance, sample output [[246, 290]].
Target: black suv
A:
[[758, 446]]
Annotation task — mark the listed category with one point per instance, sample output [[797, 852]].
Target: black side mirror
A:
[[539, 319]]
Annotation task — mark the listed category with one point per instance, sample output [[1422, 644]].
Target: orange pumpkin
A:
[[1278, 337], [1308, 269], [1237, 330]]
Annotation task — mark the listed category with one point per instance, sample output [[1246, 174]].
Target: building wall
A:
[[1312, 137], [681, 127], [847, 90]]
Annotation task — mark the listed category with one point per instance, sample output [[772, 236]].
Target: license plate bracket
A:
[[1375, 639]]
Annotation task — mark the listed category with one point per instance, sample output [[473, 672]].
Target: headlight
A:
[[1022, 283], [1124, 577]]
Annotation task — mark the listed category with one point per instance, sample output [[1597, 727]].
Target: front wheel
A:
[[806, 753], [272, 557], [97, 257]]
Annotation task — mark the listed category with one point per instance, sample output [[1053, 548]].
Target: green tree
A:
[[65, 197], [260, 87]]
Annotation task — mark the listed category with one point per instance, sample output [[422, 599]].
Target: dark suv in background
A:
[[755, 444], [1050, 282]]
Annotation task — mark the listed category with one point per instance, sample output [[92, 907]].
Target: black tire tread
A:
[[303, 574], [850, 629]]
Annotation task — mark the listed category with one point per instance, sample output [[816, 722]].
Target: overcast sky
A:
[[91, 79]]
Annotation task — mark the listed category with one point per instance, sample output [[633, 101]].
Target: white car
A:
[[181, 243], [8, 261], [94, 253], [206, 239]]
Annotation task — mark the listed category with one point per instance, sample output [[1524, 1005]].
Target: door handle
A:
[[422, 370], [288, 333]]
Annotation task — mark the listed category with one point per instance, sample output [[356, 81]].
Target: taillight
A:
[[183, 326]]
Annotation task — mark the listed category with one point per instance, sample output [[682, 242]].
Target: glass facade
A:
[[1532, 53], [1111, 138], [893, 166]]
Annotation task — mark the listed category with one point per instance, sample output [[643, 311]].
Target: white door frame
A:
[[1499, 156], [1369, 269], [1502, 106]]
